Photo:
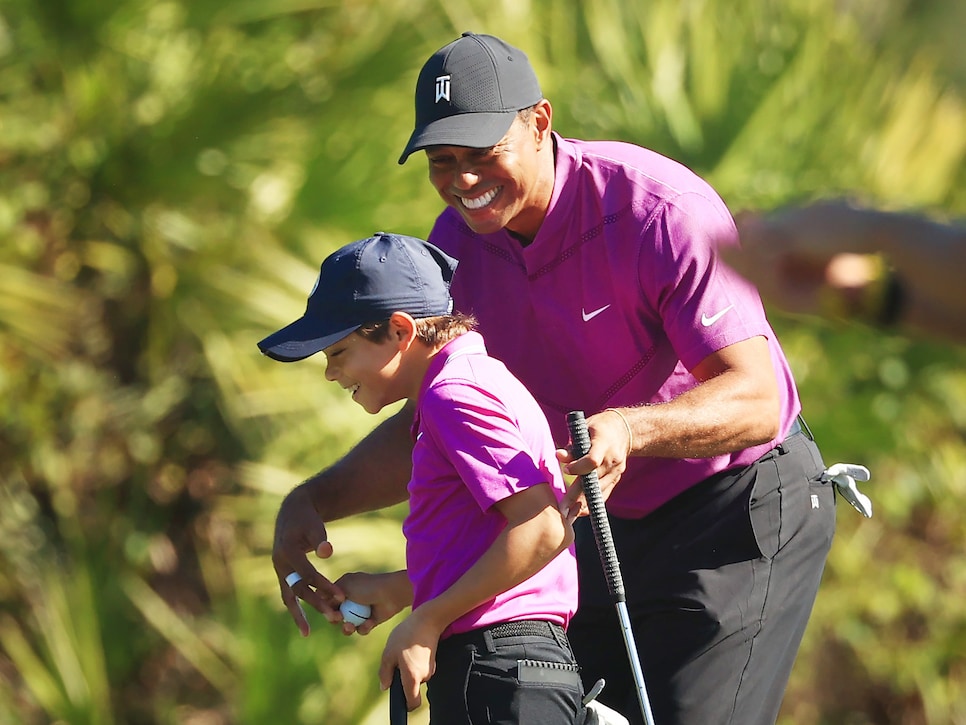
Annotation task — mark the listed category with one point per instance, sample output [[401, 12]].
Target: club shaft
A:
[[635, 661], [580, 439]]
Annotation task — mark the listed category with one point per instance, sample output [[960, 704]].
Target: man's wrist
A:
[[892, 302], [878, 300]]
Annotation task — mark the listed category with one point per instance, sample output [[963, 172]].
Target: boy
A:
[[491, 573]]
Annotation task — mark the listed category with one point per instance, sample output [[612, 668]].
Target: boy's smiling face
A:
[[383, 371], [370, 370]]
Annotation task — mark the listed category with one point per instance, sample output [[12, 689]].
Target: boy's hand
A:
[[411, 648], [387, 594]]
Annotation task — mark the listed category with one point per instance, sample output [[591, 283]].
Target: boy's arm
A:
[[535, 533]]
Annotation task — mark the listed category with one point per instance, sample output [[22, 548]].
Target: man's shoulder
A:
[[611, 149], [638, 165]]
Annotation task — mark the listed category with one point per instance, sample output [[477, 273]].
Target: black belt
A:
[[799, 426], [526, 628], [506, 630]]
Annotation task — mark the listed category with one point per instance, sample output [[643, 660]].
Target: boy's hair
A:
[[431, 331]]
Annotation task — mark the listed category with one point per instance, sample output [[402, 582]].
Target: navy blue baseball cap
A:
[[364, 282], [469, 92]]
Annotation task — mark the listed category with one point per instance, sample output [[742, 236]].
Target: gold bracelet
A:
[[630, 436]]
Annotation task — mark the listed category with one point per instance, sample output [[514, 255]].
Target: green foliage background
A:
[[171, 174]]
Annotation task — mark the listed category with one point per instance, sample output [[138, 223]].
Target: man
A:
[[592, 270]]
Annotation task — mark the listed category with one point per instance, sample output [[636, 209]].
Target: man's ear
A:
[[542, 118], [402, 329]]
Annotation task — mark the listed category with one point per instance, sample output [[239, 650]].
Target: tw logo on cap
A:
[[442, 88]]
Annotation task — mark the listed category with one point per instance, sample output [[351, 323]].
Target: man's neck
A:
[[524, 241]]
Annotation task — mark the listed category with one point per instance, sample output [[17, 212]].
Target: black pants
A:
[[720, 584], [515, 673]]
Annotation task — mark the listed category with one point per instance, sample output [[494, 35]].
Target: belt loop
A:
[[488, 641], [560, 638]]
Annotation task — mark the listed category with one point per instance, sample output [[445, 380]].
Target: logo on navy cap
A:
[[442, 88]]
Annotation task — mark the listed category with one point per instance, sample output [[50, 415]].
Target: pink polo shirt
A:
[[617, 297], [480, 437]]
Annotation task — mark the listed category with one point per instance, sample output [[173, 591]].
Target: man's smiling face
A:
[[496, 187]]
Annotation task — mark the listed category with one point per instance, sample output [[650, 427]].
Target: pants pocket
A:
[[765, 509], [532, 691], [789, 501]]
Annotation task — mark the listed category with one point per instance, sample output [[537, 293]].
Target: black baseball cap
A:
[[469, 92], [364, 282]]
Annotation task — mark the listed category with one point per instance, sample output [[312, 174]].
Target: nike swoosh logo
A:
[[708, 321], [588, 316]]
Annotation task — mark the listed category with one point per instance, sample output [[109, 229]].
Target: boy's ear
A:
[[402, 328]]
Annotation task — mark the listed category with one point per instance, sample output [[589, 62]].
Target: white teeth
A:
[[482, 200]]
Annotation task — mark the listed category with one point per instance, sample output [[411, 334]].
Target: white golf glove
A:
[[597, 713], [844, 476]]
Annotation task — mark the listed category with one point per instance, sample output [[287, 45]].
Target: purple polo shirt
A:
[[617, 297], [480, 437]]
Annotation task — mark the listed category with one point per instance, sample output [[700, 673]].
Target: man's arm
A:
[[927, 257], [821, 259], [373, 475], [734, 406]]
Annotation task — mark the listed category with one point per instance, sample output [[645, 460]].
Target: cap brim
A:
[[474, 130], [300, 340]]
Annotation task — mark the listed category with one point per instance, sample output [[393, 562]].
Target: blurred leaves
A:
[[171, 175]]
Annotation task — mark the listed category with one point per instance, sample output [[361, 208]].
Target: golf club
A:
[[600, 524], [398, 714]]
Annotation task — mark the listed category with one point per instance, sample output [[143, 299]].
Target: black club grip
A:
[[398, 711], [599, 523]]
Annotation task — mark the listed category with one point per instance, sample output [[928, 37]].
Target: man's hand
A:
[[609, 447], [298, 530], [371, 476]]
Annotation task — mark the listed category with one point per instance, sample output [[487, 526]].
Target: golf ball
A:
[[355, 613]]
